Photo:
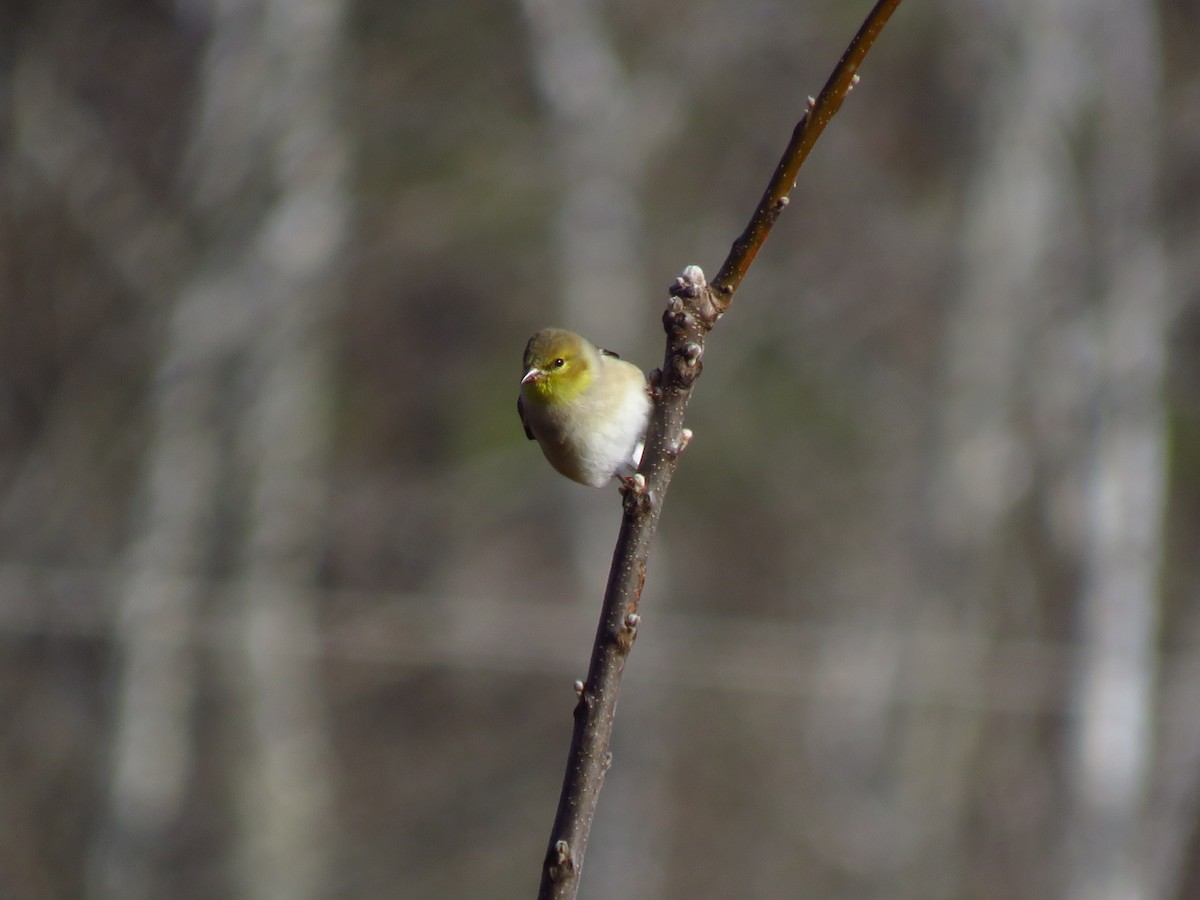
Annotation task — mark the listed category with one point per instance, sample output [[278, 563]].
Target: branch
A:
[[693, 309]]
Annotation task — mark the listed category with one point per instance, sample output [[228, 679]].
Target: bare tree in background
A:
[[1062, 327], [1048, 390], [292, 275], [1125, 279], [258, 305], [152, 740], [1018, 215]]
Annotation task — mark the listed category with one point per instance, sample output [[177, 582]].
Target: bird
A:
[[586, 407]]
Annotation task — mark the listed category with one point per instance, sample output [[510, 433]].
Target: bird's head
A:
[[559, 365]]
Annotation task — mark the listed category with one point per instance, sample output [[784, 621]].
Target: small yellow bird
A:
[[586, 408]]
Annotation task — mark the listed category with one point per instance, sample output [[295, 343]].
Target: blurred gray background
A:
[[289, 607]]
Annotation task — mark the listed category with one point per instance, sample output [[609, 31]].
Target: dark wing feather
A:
[[524, 424], [604, 352]]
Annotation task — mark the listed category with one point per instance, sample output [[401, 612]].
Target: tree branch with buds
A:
[[692, 310]]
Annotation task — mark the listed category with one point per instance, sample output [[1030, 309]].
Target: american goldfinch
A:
[[586, 408]]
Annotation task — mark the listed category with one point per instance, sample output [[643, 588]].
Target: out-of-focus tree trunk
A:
[[246, 362], [151, 751], [1060, 311], [152, 745], [1112, 743], [1058, 376], [273, 66], [978, 467]]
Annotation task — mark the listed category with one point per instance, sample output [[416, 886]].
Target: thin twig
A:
[[693, 309], [805, 134]]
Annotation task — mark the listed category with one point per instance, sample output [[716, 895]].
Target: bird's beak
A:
[[532, 375]]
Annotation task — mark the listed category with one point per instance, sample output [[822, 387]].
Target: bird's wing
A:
[[604, 352], [524, 424]]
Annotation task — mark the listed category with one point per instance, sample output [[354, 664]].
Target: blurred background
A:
[[289, 607]]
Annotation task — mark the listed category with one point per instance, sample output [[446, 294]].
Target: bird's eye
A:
[[559, 363]]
